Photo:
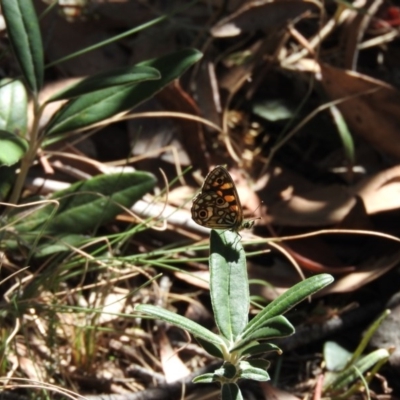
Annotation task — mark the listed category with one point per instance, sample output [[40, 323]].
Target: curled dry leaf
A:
[[370, 107], [387, 257], [319, 206], [329, 205], [381, 192]]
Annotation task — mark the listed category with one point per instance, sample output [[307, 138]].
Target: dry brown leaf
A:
[[370, 107], [317, 207], [381, 192], [273, 393], [354, 29], [377, 254], [198, 279], [371, 269], [173, 367], [327, 205], [261, 15]]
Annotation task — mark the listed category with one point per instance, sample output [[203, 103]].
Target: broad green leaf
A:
[[13, 107], [12, 148], [7, 178], [231, 391], [288, 300], [273, 110], [116, 77], [226, 371], [255, 370], [26, 42], [229, 288], [254, 348], [181, 322], [94, 107], [335, 356], [210, 348], [275, 327], [272, 332], [87, 204]]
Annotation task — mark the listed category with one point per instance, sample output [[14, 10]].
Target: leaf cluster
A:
[[240, 343]]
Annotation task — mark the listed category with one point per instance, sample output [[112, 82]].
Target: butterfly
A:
[[218, 205]]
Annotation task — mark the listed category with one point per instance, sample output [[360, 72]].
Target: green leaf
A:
[[13, 107], [116, 77], [210, 348], [94, 107], [231, 391], [204, 378], [271, 332], [273, 109], [181, 322], [229, 288], [254, 348], [254, 369], [227, 371], [276, 327], [87, 204], [7, 178], [60, 244], [344, 133], [12, 148], [26, 42], [344, 378], [288, 300], [335, 356]]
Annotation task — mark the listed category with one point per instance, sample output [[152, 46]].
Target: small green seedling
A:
[[348, 372]]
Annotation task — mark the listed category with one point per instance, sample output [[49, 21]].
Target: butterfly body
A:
[[218, 206]]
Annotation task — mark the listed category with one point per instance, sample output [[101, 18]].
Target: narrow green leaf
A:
[[229, 288], [344, 133], [352, 373], [204, 378], [12, 148], [116, 77], [87, 204], [13, 107], [181, 322], [60, 243], [24, 35], [288, 300], [94, 107]]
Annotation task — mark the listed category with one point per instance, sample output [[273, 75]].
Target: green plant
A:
[[239, 340], [57, 237], [85, 205], [348, 372]]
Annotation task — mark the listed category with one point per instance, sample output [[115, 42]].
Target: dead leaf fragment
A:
[[370, 107], [261, 15]]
